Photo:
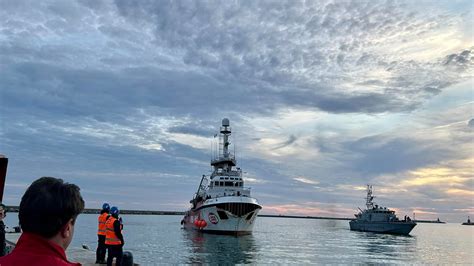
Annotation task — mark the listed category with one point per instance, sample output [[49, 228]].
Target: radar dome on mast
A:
[[225, 128], [225, 122]]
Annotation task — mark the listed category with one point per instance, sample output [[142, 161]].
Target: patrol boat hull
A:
[[228, 215], [397, 228]]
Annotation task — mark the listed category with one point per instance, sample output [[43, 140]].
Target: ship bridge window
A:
[[249, 216], [226, 178], [221, 184], [216, 183], [222, 215], [229, 184], [238, 209]]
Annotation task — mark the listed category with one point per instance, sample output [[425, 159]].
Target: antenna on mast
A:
[[369, 199]]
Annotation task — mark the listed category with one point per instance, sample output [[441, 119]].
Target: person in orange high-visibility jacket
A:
[[114, 238], [101, 247]]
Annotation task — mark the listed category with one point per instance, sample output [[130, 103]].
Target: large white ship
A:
[[222, 204]]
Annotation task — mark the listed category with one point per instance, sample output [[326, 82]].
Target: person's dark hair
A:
[[48, 204]]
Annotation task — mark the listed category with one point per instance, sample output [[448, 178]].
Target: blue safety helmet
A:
[[114, 210], [106, 206]]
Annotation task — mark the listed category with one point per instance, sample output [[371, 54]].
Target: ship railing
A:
[[226, 173], [242, 193], [246, 191], [222, 158]]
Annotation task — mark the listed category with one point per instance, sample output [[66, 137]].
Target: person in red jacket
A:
[[48, 212]]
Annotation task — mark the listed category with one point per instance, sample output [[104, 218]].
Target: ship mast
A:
[[224, 160], [225, 131]]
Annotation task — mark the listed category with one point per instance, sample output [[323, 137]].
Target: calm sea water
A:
[[160, 239]]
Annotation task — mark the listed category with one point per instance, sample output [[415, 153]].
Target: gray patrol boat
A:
[[380, 219]]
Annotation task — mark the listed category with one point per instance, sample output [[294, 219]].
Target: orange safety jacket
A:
[[110, 236], [102, 219]]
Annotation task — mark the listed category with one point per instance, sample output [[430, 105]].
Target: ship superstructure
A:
[[380, 219], [222, 204]]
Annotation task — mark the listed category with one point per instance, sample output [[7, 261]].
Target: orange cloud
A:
[[460, 192], [428, 176], [452, 173]]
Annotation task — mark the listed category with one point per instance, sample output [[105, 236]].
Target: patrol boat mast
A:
[[369, 198]]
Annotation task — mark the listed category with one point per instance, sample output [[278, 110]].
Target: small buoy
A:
[[196, 223], [203, 224]]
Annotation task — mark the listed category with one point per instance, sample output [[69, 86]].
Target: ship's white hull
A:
[[221, 221]]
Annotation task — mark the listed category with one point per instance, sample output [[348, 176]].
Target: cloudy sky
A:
[[123, 98]]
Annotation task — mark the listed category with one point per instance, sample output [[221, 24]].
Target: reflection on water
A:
[[384, 247], [219, 249]]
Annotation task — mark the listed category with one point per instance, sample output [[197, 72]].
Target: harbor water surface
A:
[[160, 239]]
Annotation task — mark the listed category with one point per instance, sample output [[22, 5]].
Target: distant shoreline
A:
[[147, 212], [305, 217]]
